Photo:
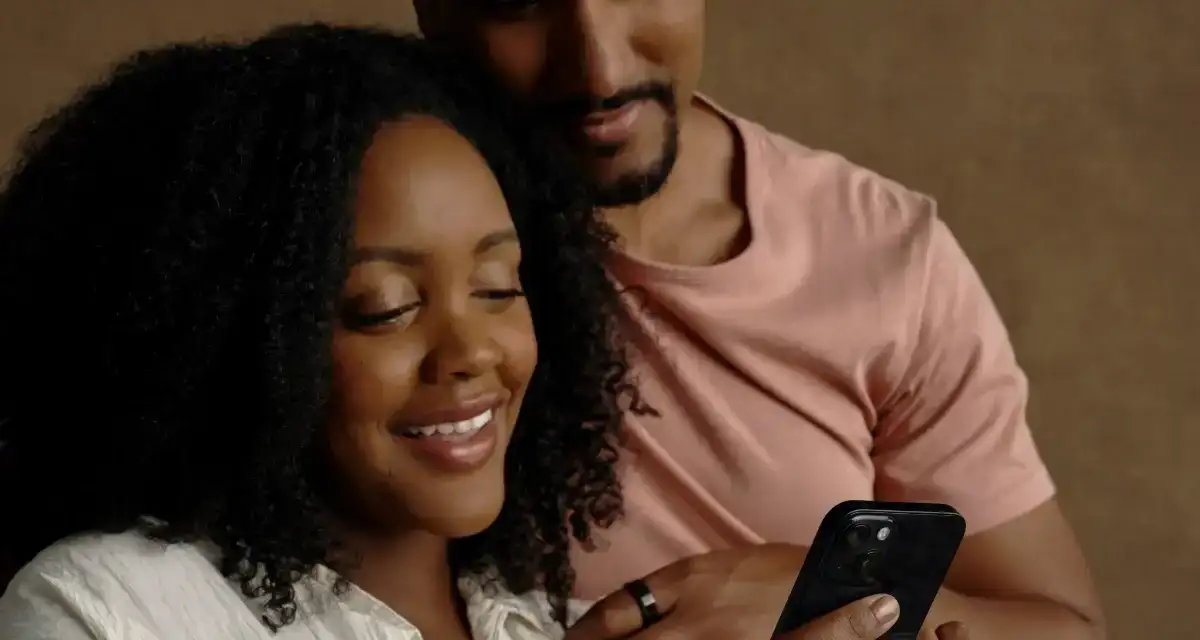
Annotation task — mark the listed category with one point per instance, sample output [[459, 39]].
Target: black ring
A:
[[646, 603]]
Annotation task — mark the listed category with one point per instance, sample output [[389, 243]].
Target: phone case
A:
[[853, 557]]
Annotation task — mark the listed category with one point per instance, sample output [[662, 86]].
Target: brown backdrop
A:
[[1058, 134]]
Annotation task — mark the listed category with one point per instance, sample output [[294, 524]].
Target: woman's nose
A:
[[464, 350]]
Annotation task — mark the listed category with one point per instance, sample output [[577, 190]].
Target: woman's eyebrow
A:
[[408, 257], [494, 239]]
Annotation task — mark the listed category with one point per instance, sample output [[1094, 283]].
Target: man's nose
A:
[[462, 350], [593, 54]]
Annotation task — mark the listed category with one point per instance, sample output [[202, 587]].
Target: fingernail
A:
[[953, 631], [886, 609]]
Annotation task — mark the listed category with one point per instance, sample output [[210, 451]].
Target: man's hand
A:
[[867, 619], [734, 595], [726, 595]]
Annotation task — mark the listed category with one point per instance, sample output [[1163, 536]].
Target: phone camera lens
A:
[[858, 535], [864, 566]]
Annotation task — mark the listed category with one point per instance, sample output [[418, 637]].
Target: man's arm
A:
[[737, 593], [953, 430], [1023, 579]]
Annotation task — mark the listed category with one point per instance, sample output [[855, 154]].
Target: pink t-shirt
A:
[[850, 352]]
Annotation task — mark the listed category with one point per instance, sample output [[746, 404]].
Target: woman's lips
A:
[[461, 446], [449, 413]]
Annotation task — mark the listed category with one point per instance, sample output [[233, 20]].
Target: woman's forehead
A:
[[422, 183]]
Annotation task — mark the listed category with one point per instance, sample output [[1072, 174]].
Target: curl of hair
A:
[[173, 244]]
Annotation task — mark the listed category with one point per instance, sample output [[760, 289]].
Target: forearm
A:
[[998, 619]]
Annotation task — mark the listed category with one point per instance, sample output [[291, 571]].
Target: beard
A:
[[639, 186]]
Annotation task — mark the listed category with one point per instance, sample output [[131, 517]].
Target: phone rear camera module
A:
[[859, 535]]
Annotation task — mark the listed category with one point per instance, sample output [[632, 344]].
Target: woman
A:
[[265, 349]]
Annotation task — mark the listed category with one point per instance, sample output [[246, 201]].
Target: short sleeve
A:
[[954, 428]]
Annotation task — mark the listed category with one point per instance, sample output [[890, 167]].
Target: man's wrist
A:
[[793, 554], [782, 555]]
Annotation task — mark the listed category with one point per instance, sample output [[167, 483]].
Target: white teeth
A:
[[478, 421], [462, 427]]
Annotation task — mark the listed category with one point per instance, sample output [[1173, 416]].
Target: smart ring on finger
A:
[[646, 603]]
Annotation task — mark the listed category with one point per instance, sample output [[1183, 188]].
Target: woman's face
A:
[[435, 344]]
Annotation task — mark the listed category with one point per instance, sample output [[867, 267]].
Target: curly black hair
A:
[[173, 243]]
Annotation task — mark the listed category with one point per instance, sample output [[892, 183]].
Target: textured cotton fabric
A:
[[127, 587]]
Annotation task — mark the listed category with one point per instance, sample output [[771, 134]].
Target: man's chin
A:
[[619, 180], [616, 186], [627, 190]]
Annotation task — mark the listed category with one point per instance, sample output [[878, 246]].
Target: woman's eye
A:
[[500, 294], [358, 320]]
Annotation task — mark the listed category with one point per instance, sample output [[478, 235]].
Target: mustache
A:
[[579, 106]]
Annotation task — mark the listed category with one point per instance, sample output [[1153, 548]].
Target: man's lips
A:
[[612, 126]]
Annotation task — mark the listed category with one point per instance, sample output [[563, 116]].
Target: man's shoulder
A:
[[808, 184], [852, 227]]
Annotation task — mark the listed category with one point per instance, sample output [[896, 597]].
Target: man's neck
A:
[[704, 185]]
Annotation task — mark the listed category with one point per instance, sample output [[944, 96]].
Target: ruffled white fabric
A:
[[126, 587]]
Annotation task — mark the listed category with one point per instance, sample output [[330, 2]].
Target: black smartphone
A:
[[867, 548]]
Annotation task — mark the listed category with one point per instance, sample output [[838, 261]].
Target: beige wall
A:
[[1058, 134]]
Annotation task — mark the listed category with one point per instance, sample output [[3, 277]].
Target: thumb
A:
[[866, 619], [953, 631]]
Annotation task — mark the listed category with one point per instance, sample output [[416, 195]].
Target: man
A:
[[810, 332]]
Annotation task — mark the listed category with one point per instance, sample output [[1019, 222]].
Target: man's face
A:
[[611, 75]]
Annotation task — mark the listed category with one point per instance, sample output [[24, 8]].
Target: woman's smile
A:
[[457, 439]]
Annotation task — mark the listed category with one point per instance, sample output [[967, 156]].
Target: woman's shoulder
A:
[[121, 585], [128, 558]]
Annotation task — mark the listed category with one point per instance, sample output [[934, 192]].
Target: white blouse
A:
[[127, 587]]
